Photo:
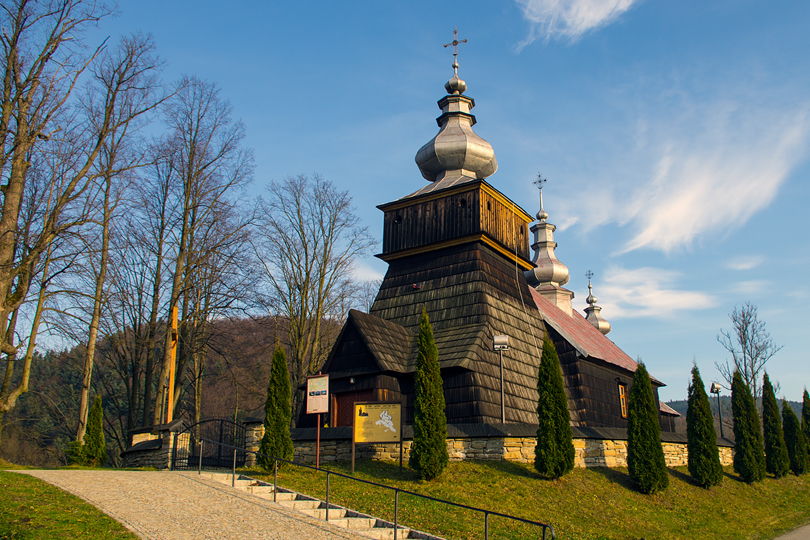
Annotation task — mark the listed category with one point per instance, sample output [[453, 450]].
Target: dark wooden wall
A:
[[432, 220]]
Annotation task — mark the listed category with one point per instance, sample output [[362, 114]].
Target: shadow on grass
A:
[[734, 477], [683, 477], [616, 476], [509, 467]]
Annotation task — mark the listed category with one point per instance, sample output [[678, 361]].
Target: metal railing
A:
[[546, 527]]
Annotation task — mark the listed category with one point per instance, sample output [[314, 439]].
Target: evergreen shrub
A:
[[749, 455], [704, 457], [645, 456], [94, 452], [277, 442], [554, 453], [794, 440], [776, 456], [429, 450]]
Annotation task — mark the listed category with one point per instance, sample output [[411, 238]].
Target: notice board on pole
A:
[[318, 394], [377, 422]]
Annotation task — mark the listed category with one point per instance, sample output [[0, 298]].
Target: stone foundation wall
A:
[[588, 452]]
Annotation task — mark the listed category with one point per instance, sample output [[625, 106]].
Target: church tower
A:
[[457, 247]]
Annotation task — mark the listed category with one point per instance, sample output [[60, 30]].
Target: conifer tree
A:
[[429, 450], [94, 451], [806, 423], [554, 453], [645, 456], [749, 455], [277, 442], [704, 458], [794, 440], [776, 456]]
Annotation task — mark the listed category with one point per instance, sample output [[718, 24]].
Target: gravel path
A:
[[175, 505]]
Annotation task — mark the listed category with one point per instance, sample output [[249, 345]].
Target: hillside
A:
[[585, 504]]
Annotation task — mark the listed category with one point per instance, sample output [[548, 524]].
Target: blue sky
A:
[[675, 136]]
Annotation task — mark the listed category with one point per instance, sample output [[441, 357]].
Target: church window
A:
[[623, 399]]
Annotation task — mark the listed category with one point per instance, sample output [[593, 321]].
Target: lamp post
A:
[[715, 389], [500, 344]]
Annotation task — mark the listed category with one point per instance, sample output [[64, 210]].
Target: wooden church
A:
[[459, 248]]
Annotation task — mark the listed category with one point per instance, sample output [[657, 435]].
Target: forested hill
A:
[[725, 402], [235, 372]]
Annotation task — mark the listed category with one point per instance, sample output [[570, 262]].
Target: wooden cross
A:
[[455, 43]]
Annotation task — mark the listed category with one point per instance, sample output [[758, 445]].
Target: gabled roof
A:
[[389, 343], [582, 335], [666, 409]]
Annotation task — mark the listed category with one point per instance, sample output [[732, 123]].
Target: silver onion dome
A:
[[593, 313], [456, 150], [548, 268]]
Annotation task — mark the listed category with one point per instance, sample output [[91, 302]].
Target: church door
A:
[[343, 405]]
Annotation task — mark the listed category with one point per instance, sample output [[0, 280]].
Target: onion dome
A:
[[548, 268], [456, 150], [593, 313]]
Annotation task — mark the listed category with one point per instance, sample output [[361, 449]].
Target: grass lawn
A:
[[31, 508], [586, 504]]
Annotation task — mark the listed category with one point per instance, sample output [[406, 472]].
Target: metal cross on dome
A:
[[455, 43], [540, 182], [589, 275]]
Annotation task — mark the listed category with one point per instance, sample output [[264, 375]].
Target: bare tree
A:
[[43, 59], [308, 239], [206, 159], [750, 345], [127, 77]]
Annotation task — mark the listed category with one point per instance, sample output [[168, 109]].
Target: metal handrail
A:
[[547, 527]]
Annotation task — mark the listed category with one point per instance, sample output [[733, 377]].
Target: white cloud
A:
[[646, 292], [568, 18], [749, 287], [364, 272], [697, 170], [745, 263]]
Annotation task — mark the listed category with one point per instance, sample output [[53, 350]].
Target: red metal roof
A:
[[582, 335]]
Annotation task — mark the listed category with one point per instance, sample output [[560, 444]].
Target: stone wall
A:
[[151, 452], [588, 452]]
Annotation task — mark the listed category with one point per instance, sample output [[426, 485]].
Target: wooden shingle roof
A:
[[390, 344]]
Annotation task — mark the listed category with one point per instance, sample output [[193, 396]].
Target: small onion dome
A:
[[456, 150], [548, 268], [593, 313]]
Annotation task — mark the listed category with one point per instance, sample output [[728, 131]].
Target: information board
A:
[[318, 394], [377, 422]]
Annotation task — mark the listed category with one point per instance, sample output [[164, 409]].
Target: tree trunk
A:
[[89, 358]]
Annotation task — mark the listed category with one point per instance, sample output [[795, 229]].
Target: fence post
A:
[[327, 495], [275, 479], [199, 466], [486, 525], [233, 478], [396, 512]]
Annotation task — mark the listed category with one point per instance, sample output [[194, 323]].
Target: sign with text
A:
[[377, 422], [318, 394]]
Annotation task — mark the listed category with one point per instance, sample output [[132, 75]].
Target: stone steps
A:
[[362, 524]]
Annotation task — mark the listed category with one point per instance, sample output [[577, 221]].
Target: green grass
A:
[[31, 508], [586, 504]]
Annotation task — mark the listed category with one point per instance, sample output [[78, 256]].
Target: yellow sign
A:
[[377, 422]]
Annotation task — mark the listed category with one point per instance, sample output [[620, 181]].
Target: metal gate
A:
[[216, 438]]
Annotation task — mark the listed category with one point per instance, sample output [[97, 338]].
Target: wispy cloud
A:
[[364, 272], [568, 18], [706, 169], [646, 292], [749, 287], [745, 263]]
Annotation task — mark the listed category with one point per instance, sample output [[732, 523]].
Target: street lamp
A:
[[715, 389], [500, 344]]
